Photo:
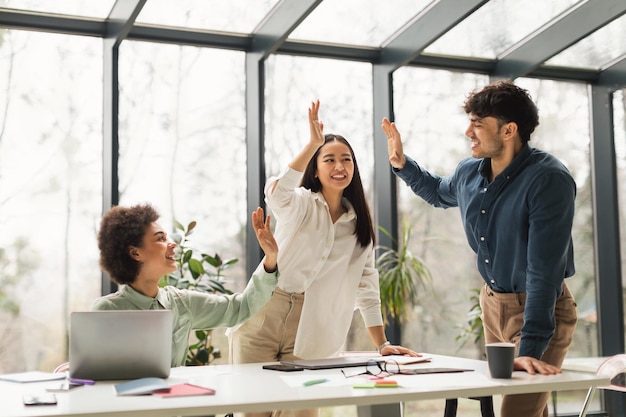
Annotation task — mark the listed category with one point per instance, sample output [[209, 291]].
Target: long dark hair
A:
[[353, 192]]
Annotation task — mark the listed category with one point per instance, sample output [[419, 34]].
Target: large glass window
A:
[[183, 147], [344, 91], [222, 15], [371, 21], [496, 26], [50, 191], [428, 113]]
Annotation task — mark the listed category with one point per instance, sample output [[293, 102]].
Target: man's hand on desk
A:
[[397, 350], [533, 366]]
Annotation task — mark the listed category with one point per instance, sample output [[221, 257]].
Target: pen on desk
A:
[[82, 381], [315, 382]]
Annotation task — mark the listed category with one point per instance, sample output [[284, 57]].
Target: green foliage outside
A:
[[17, 260], [198, 271], [473, 328]]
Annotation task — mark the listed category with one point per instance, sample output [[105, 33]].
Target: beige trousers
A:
[[503, 317], [270, 336]]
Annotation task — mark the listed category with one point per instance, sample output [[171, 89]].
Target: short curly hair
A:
[[121, 228], [506, 102]]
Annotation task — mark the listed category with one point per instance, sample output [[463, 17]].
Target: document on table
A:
[[32, 376]]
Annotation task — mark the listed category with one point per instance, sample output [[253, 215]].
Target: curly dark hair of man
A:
[[121, 228], [506, 102], [353, 192]]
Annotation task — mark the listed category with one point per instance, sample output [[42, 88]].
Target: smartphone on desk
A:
[[282, 367]]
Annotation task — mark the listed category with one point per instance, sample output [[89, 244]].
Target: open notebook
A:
[[121, 344]]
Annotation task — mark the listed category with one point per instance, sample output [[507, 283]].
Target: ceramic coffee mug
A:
[[500, 359]]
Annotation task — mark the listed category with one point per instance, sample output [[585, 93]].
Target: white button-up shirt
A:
[[325, 261]]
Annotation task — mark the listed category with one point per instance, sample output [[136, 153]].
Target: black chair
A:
[[486, 406]]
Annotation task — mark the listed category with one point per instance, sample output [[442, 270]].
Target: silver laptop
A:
[[120, 344]]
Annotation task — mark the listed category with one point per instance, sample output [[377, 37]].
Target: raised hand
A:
[[315, 125], [394, 144], [261, 226]]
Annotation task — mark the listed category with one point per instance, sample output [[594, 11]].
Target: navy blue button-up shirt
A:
[[519, 226]]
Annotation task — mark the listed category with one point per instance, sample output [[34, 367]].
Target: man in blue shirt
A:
[[517, 208]]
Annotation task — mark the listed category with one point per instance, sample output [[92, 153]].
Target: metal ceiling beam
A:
[[613, 76], [426, 27], [122, 18], [45, 22], [191, 37], [560, 33], [242, 42], [279, 23]]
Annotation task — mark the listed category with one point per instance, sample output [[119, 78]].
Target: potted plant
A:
[[199, 272], [402, 275]]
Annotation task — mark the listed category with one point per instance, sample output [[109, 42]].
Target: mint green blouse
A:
[[196, 310]]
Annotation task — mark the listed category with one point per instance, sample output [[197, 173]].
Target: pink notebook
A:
[[186, 390]]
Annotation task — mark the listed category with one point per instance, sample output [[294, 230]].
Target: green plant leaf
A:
[[187, 256], [178, 226], [195, 267], [190, 227], [214, 261]]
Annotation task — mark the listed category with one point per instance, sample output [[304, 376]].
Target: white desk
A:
[[248, 388]]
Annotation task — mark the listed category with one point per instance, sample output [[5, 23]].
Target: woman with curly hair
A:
[[136, 252]]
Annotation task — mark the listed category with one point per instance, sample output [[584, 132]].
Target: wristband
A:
[[381, 347]]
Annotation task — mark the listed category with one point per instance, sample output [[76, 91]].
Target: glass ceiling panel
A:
[[357, 22], [597, 49], [496, 26], [98, 9], [218, 15]]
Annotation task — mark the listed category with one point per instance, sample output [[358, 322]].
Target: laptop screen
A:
[[120, 344]]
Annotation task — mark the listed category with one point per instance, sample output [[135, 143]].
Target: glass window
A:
[[99, 9], [597, 49], [50, 192], [183, 145], [496, 26], [371, 22], [221, 15], [428, 113], [344, 91]]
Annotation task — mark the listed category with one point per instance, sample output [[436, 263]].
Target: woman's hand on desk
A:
[[397, 350], [533, 366]]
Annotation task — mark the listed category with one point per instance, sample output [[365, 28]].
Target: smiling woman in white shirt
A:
[[326, 239]]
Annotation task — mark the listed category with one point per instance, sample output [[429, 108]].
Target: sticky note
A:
[[364, 385], [386, 383]]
